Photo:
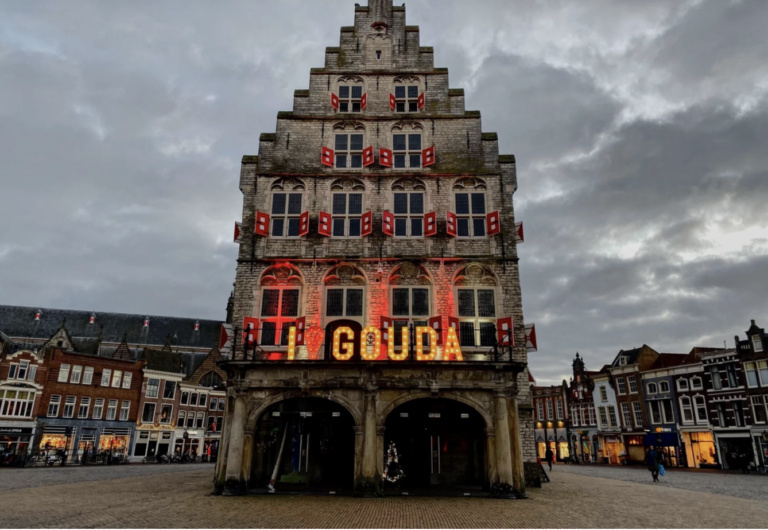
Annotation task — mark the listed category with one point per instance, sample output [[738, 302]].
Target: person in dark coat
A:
[[549, 456], [654, 458]]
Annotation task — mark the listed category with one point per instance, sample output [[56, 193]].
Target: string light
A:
[[364, 346], [404, 354], [349, 347], [291, 343], [452, 346], [420, 331]]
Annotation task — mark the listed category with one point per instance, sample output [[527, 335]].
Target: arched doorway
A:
[[440, 445], [331, 328], [304, 444]]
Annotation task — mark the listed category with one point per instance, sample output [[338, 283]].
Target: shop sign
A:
[[16, 430]]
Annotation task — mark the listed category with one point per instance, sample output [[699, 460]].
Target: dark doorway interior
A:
[[440, 447], [318, 453]]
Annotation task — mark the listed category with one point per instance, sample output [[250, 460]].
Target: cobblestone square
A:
[[179, 496]]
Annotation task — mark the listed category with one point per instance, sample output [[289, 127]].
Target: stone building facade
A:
[[378, 205]]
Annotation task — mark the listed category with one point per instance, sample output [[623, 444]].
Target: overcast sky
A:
[[640, 130]]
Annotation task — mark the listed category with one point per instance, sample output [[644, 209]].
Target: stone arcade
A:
[[377, 337]]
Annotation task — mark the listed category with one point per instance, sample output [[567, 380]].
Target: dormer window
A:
[[757, 343], [622, 361]]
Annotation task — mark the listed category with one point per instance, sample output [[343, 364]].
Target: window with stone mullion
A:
[[476, 313], [409, 214], [349, 98], [406, 98], [347, 214], [410, 306], [349, 151], [406, 150], [285, 215], [344, 301], [279, 310], [470, 214]]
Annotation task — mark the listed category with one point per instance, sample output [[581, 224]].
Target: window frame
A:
[[654, 412], [409, 154], [185, 397], [181, 419], [409, 217], [752, 371], [152, 390], [168, 406], [145, 408], [88, 375], [700, 406], [127, 380], [32, 372], [759, 406], [165, 389], [98, 407], [345, 300], [612, 416], [603, 394], [632, 384], [559, 409], [410, 318], [699, 380], [680, 386], [347, 217], [664, 404], [117, 378], [77, 370], [762, 370], [106, 377], [757, 343], [621, 386], [54, 405], [281, 334], [350, 155], [125, 410], [540, 409], [637, 412], [686, 404], [626, 414], [111, 409], [603, 414], [408, 101], [349, 101], [474, 220], [69, 407], [550, 410], [23, 370], [287, 218], [64, 369], [85, 401], [476, 320]]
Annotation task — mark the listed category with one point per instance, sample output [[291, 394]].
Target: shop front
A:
[[634, 448], [189, 444], [151, 443], [16, 438], [669, 442], [735, 449], [610, 449], [700, 452], [761, 446], [210, 449], [114, 442], [582, 446]]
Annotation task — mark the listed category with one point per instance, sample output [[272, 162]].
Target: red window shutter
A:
[[519, 235], [367, 224], [327, 157], [453, 322], [428, 156], [388, 223], [430, 223], [304, 224], [492, 224], [385, 157], [334, 101], [422, 100], [324, 225], [224, 336], [392, 102], [504, 332], [530, 337], [367, 156], [450, 225], [262, 224], [250, 334], [386, 329], [301, 325], [364, 101], [436, 323], [238, 232]]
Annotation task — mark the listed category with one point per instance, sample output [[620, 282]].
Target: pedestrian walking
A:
[[549, 456], [655, 459]]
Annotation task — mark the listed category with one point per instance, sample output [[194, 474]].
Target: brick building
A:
[[379, 205], [662, 414], [753, 352], [608, 445], [22, 376], [551, 420]]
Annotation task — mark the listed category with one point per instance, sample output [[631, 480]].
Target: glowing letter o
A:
[[364, 343]]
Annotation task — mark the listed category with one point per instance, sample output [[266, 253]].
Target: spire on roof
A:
[[167, 346], [123, 352]]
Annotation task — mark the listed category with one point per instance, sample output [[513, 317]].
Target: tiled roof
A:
[[668, 360], [163, 361], [19, 322]]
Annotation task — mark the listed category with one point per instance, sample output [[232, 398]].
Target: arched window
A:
[[287, 207], [410, 299], [350, 90], [349, 142], [280, 304], [701, 409], [687, 409], [345, 289], [469, 203], [407, 145], [475, 294], [347, 206], [211, 379], [409, 197]]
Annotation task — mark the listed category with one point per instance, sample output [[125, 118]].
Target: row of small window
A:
[[16, 403], [583, 416], [757, 373], [406, 98], [550, 409], [24, 370], [84, 375], [408, 210], [608, 416], [730, 380], [759, 412], [68, 410]]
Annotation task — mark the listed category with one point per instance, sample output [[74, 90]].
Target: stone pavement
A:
[[753, 486], [178, 497]]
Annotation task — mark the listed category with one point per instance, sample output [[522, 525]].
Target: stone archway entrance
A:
[[440, 445], [304, 444]]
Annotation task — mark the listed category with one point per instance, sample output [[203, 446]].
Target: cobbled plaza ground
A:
[[179, 496]]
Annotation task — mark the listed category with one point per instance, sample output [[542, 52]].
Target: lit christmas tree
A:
[[393, 472]]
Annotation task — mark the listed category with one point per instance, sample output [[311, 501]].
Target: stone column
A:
[[359, 482], [490, 449], [221, 459], [518, 470], [245, 468], [503, 447], [380, 451], [371, 477], [235, 482]]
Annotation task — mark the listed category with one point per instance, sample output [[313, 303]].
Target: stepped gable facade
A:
[[377, 208]]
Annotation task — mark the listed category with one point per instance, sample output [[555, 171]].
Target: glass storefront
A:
[[700, 449], [210, 449], [54, 442], [14, 445], [110, 443]]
